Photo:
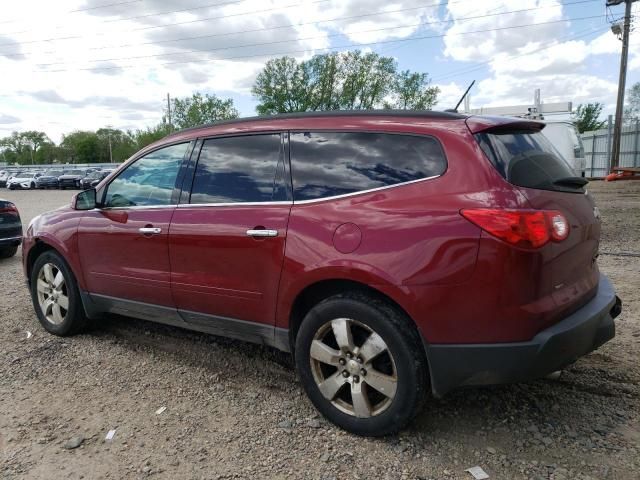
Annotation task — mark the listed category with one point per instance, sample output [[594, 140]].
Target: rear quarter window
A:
[[527, 159], [328, 164]]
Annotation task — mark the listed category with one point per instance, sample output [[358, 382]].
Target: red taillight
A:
[[9, 208], [523, 228]]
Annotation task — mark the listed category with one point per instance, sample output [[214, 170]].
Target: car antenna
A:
[[455, 110]]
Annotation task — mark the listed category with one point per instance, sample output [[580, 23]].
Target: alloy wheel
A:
[[353, 368], [53, 296]]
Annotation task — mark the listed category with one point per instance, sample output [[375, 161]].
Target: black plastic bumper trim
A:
[[455, 365]]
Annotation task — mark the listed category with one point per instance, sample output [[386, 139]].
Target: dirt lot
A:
[[235, 410]]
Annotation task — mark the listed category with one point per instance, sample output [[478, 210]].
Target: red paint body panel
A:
[[458, 284], [119, 261], [217, 269]]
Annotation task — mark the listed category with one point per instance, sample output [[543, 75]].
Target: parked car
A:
[[10, 229], [71, 179], [49, 179], [23, 180], [12, 174], [564, 136], [391, 252], [4, 175], [93, 178]]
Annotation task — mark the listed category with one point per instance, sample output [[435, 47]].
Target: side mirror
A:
[[85, 200]]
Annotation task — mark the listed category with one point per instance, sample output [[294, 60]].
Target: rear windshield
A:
[[528, 159]]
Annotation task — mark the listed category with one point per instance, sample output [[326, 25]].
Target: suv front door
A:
[[226, 243], [123, 244]]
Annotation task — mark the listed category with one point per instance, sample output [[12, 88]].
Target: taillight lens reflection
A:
[[522, 228]]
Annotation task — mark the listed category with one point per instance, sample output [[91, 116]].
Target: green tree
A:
[[632, 110], [114, 144], [47, 153], [81, 147], [201, 109], [587, 117], [368, 78], [23, 147], [281, 87], [142, 138], [349, 80], [412, 91]]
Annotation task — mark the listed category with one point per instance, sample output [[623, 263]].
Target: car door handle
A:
[[150, 230], [262, 233]]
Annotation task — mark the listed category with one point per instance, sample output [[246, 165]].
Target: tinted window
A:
[[528, 159], [240, 169], [329, 164], [149, 180]]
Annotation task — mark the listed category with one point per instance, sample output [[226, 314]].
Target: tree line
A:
[[347, 80], [353, 80]]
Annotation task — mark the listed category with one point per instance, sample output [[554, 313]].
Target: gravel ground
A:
[[235, 410]]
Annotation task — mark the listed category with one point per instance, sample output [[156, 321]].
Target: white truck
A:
[[562, 134]]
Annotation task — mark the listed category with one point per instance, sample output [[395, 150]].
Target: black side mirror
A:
[[85, 200]]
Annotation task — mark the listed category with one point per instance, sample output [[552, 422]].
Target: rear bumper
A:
[[454, 365], [10, 241]]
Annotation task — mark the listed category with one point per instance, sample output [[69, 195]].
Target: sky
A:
[[85, 64]]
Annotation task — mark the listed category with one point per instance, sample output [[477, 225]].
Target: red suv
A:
[[392, 252]]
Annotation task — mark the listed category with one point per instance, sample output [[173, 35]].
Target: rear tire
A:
[[55, 295], [371, 377], [8, 252]]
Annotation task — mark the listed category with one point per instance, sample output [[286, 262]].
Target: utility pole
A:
[[110, 152], [617, 127], [169, 112]]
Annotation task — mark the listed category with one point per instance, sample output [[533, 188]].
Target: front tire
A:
[[362, 364], [55, 295]]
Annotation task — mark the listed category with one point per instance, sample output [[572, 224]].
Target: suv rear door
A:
[[227, 237]]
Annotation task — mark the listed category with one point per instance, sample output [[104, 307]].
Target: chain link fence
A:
[[598, 145]]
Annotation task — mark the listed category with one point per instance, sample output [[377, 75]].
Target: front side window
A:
[[240, 169], [326, 164], [149, 181]]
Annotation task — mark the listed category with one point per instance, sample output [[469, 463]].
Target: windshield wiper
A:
[[575, 182]]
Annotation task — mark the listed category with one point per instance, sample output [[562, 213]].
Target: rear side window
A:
[[241, 169], [528, 159], [326, 164]]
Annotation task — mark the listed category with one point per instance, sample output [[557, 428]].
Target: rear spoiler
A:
[[489, 124]]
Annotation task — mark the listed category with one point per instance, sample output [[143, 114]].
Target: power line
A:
[[75, 37], [261, 44], [14, 20], [325, 48], [582, 33], [197, 37], [166, 12], [254, 30]]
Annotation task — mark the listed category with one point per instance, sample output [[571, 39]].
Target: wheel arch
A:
[[315, 292], [38, 248]]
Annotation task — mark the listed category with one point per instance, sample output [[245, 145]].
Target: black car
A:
[[92, 179], [10, 229], [49, 179], [71, 179]]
